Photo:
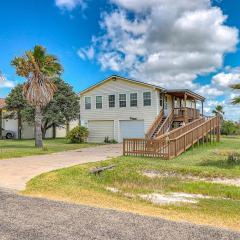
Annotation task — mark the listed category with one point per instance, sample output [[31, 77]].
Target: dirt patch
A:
[[172, 198], [226, 181]]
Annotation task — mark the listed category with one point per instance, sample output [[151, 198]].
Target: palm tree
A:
[[218, 110], [236, 100], [38, 68]]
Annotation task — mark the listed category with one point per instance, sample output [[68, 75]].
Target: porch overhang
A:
[[182, 93]]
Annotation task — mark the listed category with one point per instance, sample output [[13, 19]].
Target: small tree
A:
[[15, 104]]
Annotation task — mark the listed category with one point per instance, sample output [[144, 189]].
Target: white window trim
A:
[[147, 99], [133, 99], [122, 100], [114, 100], [85, 103], [97, 102]]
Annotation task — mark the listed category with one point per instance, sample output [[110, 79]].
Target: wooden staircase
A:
[[161, 125], [173, 143]]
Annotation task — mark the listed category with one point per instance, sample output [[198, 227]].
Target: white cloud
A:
[[225, 79], [70, 4], [167, 42], [86, 53], [4, 83], [209, 91]]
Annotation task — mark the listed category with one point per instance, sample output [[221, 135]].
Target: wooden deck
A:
[[175, 142]]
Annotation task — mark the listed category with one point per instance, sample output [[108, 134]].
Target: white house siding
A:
[[28, 130], [145, 113]]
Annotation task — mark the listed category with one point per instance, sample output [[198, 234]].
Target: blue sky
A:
[[185, 44]]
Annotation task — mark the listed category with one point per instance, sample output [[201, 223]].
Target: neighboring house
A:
[[28, 130], [119, 108]]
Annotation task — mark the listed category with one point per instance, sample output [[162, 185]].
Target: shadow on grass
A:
[[225, 164]]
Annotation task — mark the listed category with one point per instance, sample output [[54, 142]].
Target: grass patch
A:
[[77, 185], [21, 148]]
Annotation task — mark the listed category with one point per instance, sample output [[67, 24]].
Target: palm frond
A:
[[236, 86], [236, 100], [39, 91]]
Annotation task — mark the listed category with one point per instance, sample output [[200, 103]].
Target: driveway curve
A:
[[16, 172]]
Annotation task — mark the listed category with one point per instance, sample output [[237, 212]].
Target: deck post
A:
[[185, 108], [124, 147], [202, 108]]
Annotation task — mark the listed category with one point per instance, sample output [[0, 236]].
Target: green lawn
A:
[[77, 185], [21, 148]]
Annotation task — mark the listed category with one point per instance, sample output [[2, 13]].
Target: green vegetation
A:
[[236, 100], [230, 128], [38, 68], [21, 148], [190, 173], [78, 134]]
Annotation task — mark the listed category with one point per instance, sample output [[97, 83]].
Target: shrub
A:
[[233, 158], [78, 134], [107, 140]]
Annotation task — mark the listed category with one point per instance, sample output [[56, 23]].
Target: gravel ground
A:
[[24, 218]]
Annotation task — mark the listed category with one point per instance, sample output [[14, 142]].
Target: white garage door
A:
[[131, 129], [98, 130]]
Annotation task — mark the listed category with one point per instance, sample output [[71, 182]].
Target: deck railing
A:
[[184, 141], [175, 142], [155, 124], [191, 113]]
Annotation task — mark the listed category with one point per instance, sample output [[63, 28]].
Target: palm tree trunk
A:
[[38, 127]]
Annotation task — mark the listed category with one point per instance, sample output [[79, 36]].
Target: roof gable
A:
[[115, 78]]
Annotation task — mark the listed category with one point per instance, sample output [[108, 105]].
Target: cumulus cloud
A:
[[209, 91], [218, 92], [70, 4], [86, 53], [167, 42], [225, 79], [4, 83]]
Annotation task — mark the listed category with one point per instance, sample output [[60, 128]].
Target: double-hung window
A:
[[98, 102], [111, 101], [133, 99], [147, 101], [87, 102], [122, 100]]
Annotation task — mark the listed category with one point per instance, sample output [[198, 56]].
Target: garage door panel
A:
[[131, 129], [98, 130]]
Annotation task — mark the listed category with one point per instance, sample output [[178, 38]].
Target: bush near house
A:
[[77, 135]]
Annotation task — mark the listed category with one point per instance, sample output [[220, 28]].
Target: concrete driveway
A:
[[15, 172]]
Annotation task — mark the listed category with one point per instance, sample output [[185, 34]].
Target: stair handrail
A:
[[166, 124], [178, 131], [198, 126], [154, 125]]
